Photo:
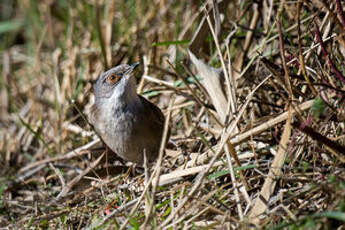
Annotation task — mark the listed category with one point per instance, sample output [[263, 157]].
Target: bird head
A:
[[116, 83]]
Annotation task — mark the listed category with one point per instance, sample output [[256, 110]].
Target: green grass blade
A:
[[168, 43], [9, 26]]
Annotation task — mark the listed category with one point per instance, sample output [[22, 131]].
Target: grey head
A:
[[116, 83]]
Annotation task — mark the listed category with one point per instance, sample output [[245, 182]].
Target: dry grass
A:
[[253, 94]]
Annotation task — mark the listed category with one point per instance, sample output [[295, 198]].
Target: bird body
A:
[[128, 123]]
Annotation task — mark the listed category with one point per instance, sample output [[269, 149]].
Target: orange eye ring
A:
[[113, 78]]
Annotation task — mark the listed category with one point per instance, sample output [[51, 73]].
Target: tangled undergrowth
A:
[[253, 95]]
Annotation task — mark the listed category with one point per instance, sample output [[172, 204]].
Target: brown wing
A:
[[155, 113]]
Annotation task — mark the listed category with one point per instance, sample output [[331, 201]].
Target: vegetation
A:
[[253, 93]]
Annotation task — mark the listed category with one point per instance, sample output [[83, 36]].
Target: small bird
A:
[[128, 123]]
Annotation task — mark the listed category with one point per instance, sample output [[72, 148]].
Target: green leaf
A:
[[218, 174], [2, 189], [245, 167], [225, 172], [151, 93], [168, 43], [37, 135], [31, 220], [44, 224], [318, 107], [337, 215], [9, 26], [164, 203], [178, 83], [205, 141], [134, 223], [80, 84], [167, 212]]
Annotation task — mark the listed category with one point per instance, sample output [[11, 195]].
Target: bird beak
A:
[[135, 65], [128, 74]]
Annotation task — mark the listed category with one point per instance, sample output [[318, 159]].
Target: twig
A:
[[202, 174], [325, 53], [275, 170], [69, 186], [282, 56], [158, 167], [74, 153], [300, 52], [341, 13]]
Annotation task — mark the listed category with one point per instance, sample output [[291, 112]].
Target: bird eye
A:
[[113, 78]]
